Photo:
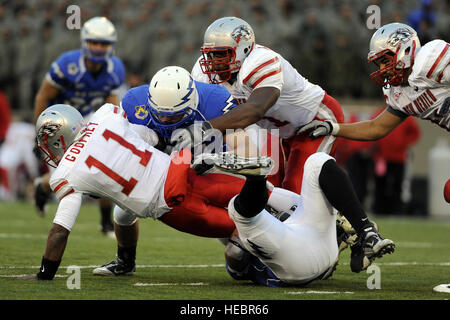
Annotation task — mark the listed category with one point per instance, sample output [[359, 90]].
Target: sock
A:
[[127, 255], [339, 191], [253, 197]]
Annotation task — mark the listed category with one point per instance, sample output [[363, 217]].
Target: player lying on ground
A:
[[302, 248], [415, 81]]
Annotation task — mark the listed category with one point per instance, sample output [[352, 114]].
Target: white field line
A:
[[193, 266], [143, 284], [188, 266], [318, 292]]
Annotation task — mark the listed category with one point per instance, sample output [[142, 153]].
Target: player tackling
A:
[[415, 81]]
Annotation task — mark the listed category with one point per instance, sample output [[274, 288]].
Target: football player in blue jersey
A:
[[174, 100], [86, 79]]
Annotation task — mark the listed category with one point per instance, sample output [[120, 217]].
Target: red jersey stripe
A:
[[59, 186], [437, 60], [259, 68], [266, 76], [71, 191]]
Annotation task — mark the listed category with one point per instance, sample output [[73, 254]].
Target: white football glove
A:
[[319, 128], [192, 136]]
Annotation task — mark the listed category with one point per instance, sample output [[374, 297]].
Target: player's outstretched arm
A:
[[56, 243], [364, 130], [374, 129], [261, 100]]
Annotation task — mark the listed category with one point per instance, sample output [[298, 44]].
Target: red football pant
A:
[[298, 148], [199, 202]]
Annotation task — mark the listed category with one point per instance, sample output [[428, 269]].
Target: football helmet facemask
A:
[[392, 49], [98, 29], [227, 42], [57, 128], [172, 99]]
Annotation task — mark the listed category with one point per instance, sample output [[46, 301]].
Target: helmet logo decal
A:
[[186, 98], [49, 129], [141, 112], [400, 35], [241, 32]]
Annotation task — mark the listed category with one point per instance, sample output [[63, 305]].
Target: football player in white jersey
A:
[[302, 248], [113, 159], [415, 81], [270, 91]]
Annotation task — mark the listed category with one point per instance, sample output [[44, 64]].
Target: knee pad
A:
[[123, 218]]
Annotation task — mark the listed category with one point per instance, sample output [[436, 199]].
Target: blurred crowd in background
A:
[[326, 40]]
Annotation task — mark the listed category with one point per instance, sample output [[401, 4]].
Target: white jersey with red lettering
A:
[[112, 161], [299, 101], [428, 94]]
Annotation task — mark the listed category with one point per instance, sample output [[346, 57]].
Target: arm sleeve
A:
[[68, 210]]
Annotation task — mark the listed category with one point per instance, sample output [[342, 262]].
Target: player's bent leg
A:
[[195, 216], [339, 191]]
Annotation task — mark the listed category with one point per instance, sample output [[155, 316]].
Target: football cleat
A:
[[370, 245], [115, 268], [41, 197], [346, 235], [232, 163]]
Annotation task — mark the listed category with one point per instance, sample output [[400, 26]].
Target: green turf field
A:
[[174, 265]]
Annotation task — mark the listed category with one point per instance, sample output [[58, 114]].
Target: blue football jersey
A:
[[213, 101], [78, 87]]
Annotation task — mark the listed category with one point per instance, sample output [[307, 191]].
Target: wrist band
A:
[[48, 269], [335, 129]]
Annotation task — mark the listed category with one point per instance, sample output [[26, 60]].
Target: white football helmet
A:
[[227, 42], [98, 29], [57, 128], [397, 44], [172, 99]]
